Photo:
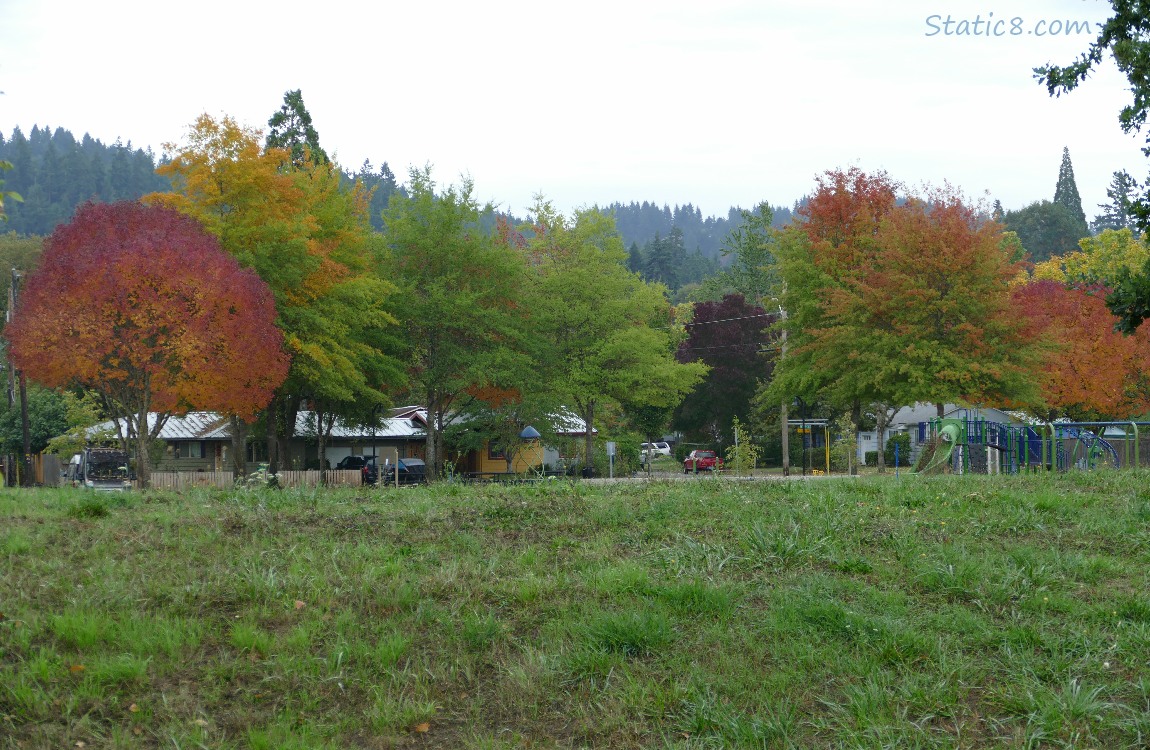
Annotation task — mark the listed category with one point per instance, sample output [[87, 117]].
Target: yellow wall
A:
[[529, 456]]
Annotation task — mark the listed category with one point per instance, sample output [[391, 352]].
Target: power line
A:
[[728, 320]]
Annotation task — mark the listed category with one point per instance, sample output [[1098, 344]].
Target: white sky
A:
[[711, 102]]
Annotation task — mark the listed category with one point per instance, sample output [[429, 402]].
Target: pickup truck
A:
[[702, 461]]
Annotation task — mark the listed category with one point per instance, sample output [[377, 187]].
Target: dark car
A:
[[352, 463], [411, 471], [370, 469]]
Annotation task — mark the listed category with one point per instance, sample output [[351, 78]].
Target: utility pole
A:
[[786, 429], [13, 376]]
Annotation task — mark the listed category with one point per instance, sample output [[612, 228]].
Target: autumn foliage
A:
[[1092, 371], [140, 304], [899, 301]]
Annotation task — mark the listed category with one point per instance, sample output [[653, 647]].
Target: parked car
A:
[[100, 469], [650, 450], [411, 471], [352, 463], [370, 470], [700, 460]]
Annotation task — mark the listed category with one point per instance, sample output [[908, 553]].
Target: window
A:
[[495, 453], [190, 450]]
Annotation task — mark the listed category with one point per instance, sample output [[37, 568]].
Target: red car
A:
[[702, 461]]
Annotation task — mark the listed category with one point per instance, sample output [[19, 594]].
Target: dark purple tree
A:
[[731, 337]]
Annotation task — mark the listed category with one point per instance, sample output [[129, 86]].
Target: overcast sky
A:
[[711, 102]]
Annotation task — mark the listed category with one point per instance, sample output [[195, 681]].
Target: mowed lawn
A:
[[877, 612]]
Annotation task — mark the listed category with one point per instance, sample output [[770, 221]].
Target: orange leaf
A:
[[299, 604], [133, 708], [424, 727], [76, 668]]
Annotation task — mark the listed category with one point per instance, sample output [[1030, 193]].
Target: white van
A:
[[654, 449]]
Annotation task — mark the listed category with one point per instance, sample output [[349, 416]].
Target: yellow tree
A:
[[310, 240], [1100, 261]]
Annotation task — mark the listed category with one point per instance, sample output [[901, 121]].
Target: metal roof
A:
[[404, 423]]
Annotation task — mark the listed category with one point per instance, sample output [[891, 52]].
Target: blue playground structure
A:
[[977, 446]]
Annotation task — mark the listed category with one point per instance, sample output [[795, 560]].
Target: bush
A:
[[870, 458], [902, 440]]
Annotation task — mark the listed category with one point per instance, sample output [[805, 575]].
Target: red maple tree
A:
[[140, 304], [1091, 370]]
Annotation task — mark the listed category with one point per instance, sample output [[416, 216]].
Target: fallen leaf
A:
[[133, 708], [424, 727], [81, 743], [137, 731], [200, 723], [299, 604], [76, 668]]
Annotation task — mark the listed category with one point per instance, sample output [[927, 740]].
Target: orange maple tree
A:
[[898, 303], [1092, 371], [139, 304]]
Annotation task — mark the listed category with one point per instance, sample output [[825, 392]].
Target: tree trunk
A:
[[589, 439], [271, 427], [431, 442], [321, 442], [880, 423], [239, 430], [143, 460], [856, 419], [785, 439], [288, 414], [941, 409]]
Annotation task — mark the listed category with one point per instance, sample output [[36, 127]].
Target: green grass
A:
[[946, 612]]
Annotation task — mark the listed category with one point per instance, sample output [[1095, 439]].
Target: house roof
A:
[[408, 422], [195, 425], [924, 412]]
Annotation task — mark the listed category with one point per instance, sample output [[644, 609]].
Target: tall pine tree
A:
[[1066, 191], [291, 128], [1116, 214]]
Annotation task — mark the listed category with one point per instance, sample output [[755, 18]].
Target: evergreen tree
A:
[[1116, 214], [634, 258], [1066, 192], [1046, 229], [997, 212], [291, 128], [381, 185]]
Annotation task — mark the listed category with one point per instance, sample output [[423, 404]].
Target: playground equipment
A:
[[979, 446]]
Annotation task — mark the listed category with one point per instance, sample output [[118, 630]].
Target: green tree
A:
[[8, 195], [1066, 193], [607, 332], [47, 418], [82, 413], [460, 302], [1046, 229], [290, 128], [898, 303], [1126, 36], [1117, 213], [1099, 260], [308, 237]]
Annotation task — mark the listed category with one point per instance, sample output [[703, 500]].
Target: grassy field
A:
[[912, 613]]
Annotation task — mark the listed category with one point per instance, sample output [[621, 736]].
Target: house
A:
[[403, 430], [201, 441], [196, 441]]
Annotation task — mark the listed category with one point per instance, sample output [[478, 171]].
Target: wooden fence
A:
[[181, 480]]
